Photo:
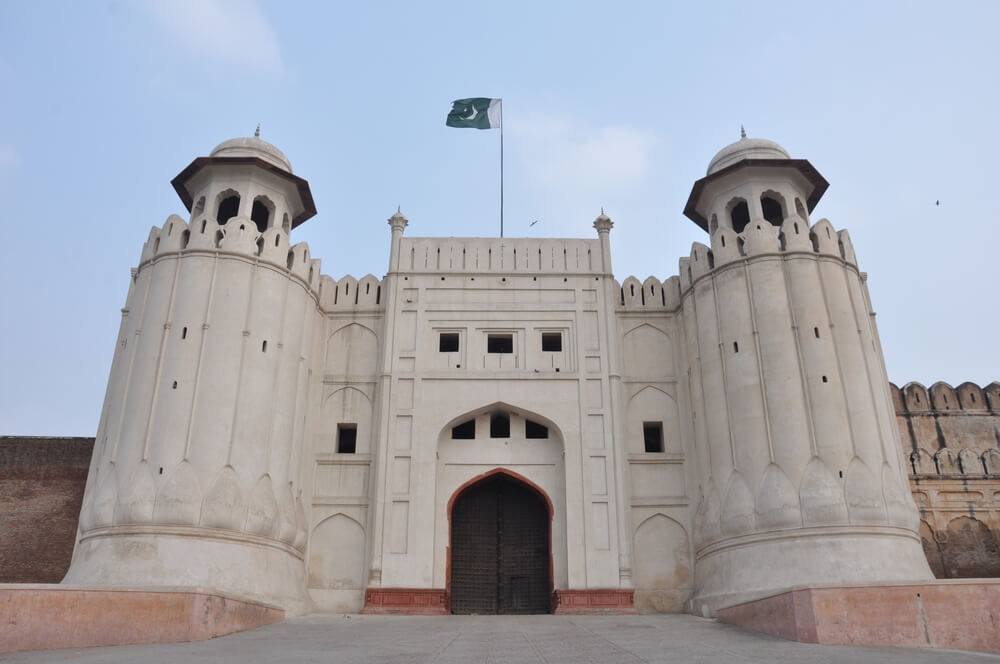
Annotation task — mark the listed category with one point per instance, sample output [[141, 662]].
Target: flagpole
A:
[[501, 167]]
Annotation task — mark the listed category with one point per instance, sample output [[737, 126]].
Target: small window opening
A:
[[816, 332], [825, 380], [740, 216], [535, 430], [161, 470], [552, 342], [174, 386], [652, 436], [448, 342], [500, 343], [263, 346], [500, 425], [841, 473], [185, 239], [184, 333], [228, 209], [347, 438], [736, 346], [771, 209], [464, 431], [259, 214], [723, 238]]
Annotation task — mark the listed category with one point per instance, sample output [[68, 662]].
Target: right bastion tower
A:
[[801, 477]]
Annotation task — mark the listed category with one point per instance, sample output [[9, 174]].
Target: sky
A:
[[619, 105]]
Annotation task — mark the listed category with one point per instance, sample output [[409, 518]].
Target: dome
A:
[[252, 147], [746, 148]]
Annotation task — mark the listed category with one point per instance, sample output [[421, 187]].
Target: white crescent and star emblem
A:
[[475, 112]]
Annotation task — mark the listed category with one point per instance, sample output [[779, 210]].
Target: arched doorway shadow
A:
[[500, 546]]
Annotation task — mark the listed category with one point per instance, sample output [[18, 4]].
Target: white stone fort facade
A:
[[497, 425]]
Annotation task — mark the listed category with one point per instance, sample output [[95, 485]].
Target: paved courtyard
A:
[[497, 640]]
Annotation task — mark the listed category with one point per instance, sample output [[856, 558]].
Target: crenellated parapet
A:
[[949, 431], [237, 238], [651, 295], [350, 294], [763, 240]]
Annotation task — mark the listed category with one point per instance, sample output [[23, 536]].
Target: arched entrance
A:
[[500, 546]]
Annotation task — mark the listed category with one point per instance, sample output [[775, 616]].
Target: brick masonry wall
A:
[[951, 438], [41, 489]]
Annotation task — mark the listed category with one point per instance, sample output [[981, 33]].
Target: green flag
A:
[[477, 113]]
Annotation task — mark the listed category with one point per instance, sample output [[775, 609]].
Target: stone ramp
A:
[[50, 616], [962, 614]]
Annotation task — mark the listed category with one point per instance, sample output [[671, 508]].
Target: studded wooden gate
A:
[[500, 549]]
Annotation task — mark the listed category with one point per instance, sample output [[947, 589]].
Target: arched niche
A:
[[648, 352], [648, 406], [336, 565], [344, 408], [352, 350], [663, 570], [971, 550]]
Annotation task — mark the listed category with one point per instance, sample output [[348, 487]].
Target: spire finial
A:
[[256, 133], [743, 132], [399, 209], [602, 209]]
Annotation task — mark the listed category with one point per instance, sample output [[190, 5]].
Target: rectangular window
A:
[[347, 438], [552, 342], [652, 434], [464, 431], [535, 430], [500, 343], [448, 342], [500, 426]]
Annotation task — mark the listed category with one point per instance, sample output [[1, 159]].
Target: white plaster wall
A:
[[192, 416]]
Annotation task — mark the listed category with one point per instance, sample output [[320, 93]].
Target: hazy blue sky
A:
[[614, 104]]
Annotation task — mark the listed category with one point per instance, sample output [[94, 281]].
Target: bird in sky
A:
[[532, 223]]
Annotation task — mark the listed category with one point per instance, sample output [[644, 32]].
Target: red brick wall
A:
[[41, 488]]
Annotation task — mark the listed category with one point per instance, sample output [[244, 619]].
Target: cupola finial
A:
[[743, 132], [256, 133]]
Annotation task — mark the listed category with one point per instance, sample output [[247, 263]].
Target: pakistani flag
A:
[[478, 113]]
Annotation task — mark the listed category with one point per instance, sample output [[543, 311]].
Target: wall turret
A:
[[249, 179], [794, 423], [195, 478]]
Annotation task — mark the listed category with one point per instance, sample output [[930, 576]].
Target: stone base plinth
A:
[[593, 602], [962, 614], [43, 616], [406, 601]]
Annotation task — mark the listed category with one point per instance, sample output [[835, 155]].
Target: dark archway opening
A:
[[228, 208], [740, 216], [771, 210], [500, 549], [259, 214]]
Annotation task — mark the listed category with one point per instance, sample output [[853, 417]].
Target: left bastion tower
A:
[[194, 478]]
